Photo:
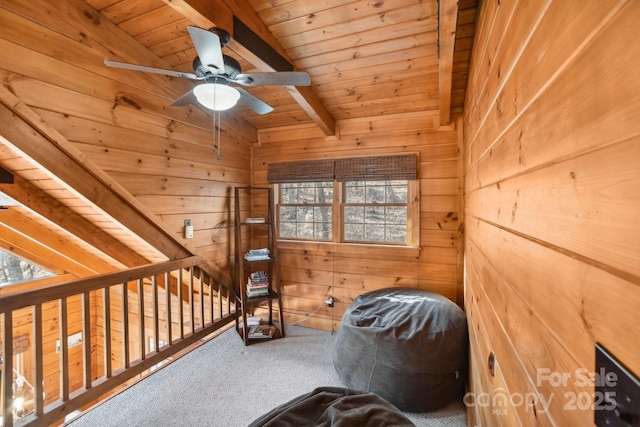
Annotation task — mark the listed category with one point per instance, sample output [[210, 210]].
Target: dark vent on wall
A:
[[247, 38], [6, 177]]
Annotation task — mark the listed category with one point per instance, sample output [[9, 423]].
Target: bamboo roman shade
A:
[[377, 168], [309, 171], [382, 168]]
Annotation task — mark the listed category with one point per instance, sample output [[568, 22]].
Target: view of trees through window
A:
[[370, 211], [375, 211], [14, 269], [306, 210]]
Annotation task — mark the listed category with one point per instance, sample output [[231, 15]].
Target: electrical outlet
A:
[[330, 302], [617, 392]]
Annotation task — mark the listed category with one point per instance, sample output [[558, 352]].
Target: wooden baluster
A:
[[211, 307], [141, 337], [156, 321], [201, 281], [7, 389], [64, 350], [39, 360], [191, 308], [86, 338], [167, 287], [125, 325], [106, 298], [220, 301], [181, 304]]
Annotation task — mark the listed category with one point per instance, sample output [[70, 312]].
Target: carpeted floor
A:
[[224, 383]]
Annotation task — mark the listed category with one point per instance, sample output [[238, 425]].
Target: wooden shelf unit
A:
[[244, 199]]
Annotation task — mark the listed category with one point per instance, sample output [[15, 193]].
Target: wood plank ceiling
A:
[[365, 57]]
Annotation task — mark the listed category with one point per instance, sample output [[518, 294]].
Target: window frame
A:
[[278, 204], [337, 215]]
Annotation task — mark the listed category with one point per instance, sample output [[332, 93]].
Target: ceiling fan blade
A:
[[207, 46], [281, 78], [253, 102], [146, 69], [186, 99]]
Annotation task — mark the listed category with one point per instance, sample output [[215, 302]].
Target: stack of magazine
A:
[[257, 284], [257, 255], [259, 328], [262, 331]]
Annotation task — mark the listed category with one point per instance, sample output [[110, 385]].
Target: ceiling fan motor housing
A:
[[230, 72]]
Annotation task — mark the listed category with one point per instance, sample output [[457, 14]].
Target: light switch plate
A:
[[188, 229]]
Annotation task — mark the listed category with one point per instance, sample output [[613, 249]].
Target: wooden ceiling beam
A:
[[21, 247], [48, 207], [448, 20], [47, 246], [35, 140], [220, 13]]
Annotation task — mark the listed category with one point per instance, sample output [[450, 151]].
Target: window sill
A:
[[297, 244]]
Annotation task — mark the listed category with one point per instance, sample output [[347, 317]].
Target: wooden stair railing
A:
[[80, 340]]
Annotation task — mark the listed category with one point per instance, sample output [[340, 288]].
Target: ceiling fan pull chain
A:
[[219, 138], [216, 127]]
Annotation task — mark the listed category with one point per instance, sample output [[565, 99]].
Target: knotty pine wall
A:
[[312, 271], [52, 59], [552, 172]]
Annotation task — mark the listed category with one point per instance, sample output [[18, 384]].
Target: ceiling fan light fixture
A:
[[215, 96]]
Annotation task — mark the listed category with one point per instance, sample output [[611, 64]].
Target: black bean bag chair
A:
[[405, 345], [334, 406]]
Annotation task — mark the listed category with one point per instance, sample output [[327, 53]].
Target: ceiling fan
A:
[[221, 75]]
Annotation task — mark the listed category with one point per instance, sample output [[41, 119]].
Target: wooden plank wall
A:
[[52, 60], [552, 171], [312, 271]]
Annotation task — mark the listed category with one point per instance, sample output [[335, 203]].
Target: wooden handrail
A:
[[134, 319]]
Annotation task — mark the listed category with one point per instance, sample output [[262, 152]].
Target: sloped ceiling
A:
[[366, 58]]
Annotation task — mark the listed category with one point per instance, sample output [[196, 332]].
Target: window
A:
[[354, 200], [14, 269], [305, 210], [365, 211], [375, 211]]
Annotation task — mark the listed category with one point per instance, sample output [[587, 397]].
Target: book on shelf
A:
[[254, 321], [262, 331], [257, 285], [262, 254], [259, 292], [258, 277]]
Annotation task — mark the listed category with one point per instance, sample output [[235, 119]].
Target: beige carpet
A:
[[224, 383]]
